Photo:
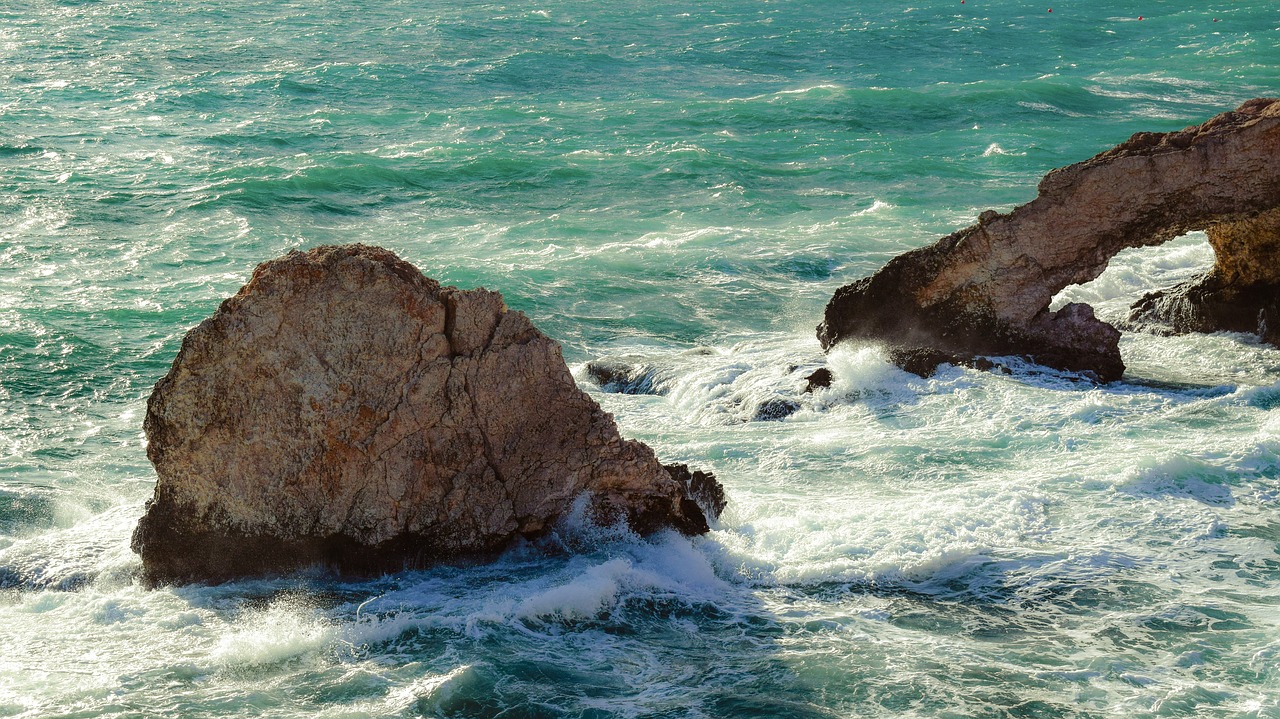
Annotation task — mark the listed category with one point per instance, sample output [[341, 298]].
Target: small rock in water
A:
[[820, 379], [701, 487], [775, 409], [622, 378], [345, 410]]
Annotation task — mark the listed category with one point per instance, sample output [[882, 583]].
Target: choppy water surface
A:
[[679, 187]]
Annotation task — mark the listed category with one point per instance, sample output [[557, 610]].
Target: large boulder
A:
[[986, 289], [343, 409]]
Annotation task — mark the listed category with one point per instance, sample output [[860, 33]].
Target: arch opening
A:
[[1134, 273], [1239, 293]]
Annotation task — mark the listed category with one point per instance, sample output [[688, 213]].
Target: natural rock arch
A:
[[985, 290]]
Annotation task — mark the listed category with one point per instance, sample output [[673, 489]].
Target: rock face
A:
[[986, 289], [343, 409]]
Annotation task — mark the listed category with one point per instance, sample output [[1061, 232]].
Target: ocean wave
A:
[[674, 193], [88, 549]]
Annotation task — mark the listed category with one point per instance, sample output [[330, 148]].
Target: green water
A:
[[680, 186]]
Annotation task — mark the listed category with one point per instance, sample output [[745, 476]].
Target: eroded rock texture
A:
[[986, 289], [343, 409]]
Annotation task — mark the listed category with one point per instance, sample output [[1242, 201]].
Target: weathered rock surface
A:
[[985, 290], [343, 409]]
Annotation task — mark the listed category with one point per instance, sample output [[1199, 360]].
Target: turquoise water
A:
[[679, 186]]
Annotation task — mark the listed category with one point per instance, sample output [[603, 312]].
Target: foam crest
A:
[[863, 371], [1179, 476], [66, 558], [429, 689], [586, 596], [584, 588], [759, 379], [911, 541], [994, 149], [875, 207], [285, 631], [1211, 364]]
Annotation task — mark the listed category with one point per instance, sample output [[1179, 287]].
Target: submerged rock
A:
[[621, 377], [774, 409], [985, 290], [344, 409]]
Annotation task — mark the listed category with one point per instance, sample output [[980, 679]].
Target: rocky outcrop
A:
[[345, 410], [986, 290]]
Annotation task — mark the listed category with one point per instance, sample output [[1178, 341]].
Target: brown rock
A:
[[343, 409], [986, 289]]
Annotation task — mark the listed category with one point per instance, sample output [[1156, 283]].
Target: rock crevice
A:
[[986, 289], [344, 409]]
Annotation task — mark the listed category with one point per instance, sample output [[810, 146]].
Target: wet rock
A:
[[701, 487], [923, 361], [774, 409], [622, 377], [820, 379], [985, 290], [342, 409]]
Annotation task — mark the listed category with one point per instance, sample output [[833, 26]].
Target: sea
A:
[[676, 188]]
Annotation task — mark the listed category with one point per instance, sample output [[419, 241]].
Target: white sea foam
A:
[[87, 547], [437, 687], [995, 149], [284, 631], [585, 597], [875, 207]]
